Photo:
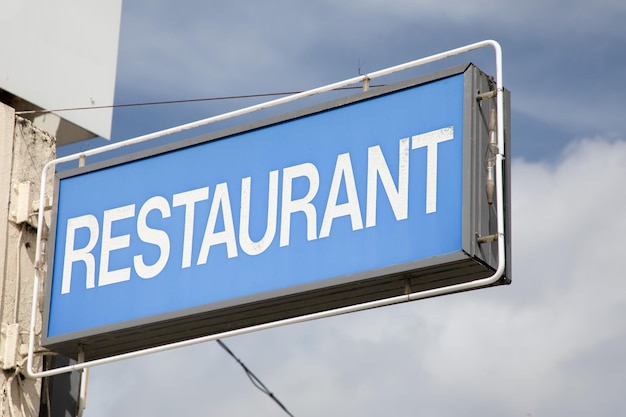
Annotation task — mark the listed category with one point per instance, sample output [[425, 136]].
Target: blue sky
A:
[[548, 345], [563, 60]]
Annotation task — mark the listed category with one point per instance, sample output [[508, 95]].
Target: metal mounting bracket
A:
[[499, 158]]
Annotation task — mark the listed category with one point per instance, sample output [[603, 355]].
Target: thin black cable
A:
[[253, 378], [192, 100]]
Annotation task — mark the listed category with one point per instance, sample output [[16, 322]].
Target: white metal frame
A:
[[388, 301]]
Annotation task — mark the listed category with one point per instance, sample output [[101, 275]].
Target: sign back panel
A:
[[331, 207]]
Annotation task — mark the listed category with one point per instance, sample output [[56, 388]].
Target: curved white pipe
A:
[[388, 301]]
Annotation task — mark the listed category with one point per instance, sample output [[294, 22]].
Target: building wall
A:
[[24, 150]]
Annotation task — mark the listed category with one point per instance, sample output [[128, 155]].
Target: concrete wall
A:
[[24, 150]]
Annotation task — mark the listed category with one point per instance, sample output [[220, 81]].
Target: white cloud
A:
[[568, 223]]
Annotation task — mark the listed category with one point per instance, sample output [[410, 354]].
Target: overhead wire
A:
[[192, 100], [254, 379]]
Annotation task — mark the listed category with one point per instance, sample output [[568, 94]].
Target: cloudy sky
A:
[[551, 344]]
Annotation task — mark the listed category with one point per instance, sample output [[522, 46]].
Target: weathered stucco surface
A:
[[24, 150]]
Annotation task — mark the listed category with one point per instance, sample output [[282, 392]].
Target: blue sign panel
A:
[[366, 186]]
